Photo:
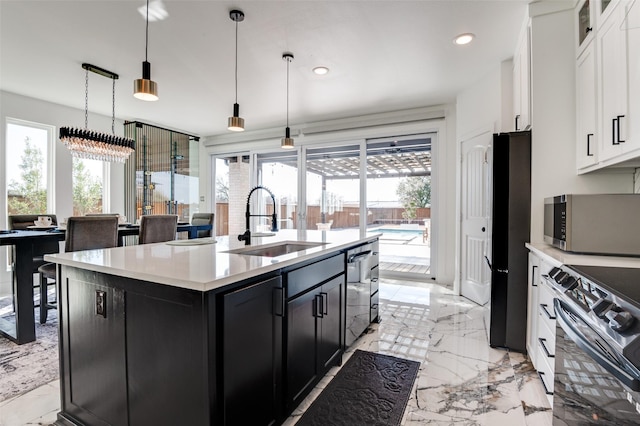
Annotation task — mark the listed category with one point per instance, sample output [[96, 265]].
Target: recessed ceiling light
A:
[[464, 38], [321, 70], [157, 11]]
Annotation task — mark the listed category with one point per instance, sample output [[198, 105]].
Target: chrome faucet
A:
[[246, 237]]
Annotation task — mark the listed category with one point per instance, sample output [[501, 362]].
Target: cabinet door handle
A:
[[517, 117], [589, 153], [546, 311], [544, 348], [318, 306], [278, 301], [588, 30], [544, 385], [325, 303], [618, 127], [533, 276], [613, 131]]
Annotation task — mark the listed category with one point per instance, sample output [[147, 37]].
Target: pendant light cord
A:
[[113, 106], [288, 60], [236, 76], [146, 41], [86, 99]]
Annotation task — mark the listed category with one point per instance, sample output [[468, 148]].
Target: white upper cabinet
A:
[[587, 136], [521, 83], [607, 77], [613, 83], [632, 26]]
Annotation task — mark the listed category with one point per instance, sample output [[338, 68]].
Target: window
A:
[[88, 188], [29, 171]]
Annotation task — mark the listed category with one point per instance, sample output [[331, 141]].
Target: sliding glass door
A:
[[379, 186]]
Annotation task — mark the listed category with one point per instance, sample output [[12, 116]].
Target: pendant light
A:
[[144, 88], [236, 123], [287, 141], [86, 143]]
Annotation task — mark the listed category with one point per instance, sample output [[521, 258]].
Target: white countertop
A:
[[205, 267], [568, 258]]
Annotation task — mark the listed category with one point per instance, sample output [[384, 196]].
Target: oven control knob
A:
[[619, 321], [601, 307]]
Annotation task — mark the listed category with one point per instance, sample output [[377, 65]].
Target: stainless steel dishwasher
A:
[[358, 291]]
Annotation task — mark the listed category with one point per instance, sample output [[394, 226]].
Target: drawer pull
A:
[[544, 348], [544, 385], [543, 306]]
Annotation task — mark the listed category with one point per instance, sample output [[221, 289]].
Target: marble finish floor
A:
[[462, 381]]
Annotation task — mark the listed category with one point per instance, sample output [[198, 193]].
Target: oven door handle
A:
[[627, 379]]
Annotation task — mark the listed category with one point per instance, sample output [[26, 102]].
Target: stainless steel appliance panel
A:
[[589, 377], [358, 291], [593, 223]]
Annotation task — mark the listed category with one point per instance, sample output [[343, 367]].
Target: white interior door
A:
[[475, 275]]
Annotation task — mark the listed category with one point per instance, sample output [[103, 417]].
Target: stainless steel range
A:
[[597, 358]]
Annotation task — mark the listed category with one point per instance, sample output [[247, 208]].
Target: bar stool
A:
[[83, 233], [157, 228]]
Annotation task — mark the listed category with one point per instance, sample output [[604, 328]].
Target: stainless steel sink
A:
[[276, 249]]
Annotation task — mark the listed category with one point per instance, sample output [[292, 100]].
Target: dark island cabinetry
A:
[[134, 352], [315, 320], [127, 348], [252, 354]]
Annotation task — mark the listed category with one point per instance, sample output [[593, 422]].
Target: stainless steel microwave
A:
[[594, 223]]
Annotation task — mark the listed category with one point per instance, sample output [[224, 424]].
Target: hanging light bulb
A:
[[144, 88], [287, 141], [236, 123]]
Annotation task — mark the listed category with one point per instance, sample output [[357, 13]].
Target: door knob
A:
[[483, 229]]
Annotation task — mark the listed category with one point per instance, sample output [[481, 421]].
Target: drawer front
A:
[[545, 371], [309, 276], [547, 342], [546, 314]]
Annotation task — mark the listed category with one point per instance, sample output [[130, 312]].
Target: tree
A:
[[222, 189], [414, 192], [29, 196], [87, 190]]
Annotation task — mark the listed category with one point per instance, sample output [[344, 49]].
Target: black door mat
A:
[[370, 390]]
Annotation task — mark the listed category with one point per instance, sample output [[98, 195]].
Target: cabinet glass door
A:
[[584, 22]]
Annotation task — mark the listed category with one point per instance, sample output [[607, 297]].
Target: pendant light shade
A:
[[287, 141], [144, 88], [236, 123]]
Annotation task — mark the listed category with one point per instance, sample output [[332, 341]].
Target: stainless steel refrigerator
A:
[[511, 210]]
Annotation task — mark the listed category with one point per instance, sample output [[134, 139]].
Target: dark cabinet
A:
[[132, 352], [314, 337], [252, 354]]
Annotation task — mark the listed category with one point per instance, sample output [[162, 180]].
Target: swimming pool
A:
[[399, 234]]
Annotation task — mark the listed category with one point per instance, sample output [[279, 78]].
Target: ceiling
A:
[[383, 56]]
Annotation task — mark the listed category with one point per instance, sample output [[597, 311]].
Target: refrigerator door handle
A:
[[488, 263]]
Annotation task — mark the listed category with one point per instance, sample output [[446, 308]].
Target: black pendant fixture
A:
[[144, 88], [236, 123], [287, 141]]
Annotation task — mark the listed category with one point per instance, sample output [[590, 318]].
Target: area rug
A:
[[369, 390], [26, 367]]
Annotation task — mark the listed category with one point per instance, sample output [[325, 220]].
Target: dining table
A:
[[19, 325]]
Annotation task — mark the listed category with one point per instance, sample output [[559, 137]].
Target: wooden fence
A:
[[348, 217]]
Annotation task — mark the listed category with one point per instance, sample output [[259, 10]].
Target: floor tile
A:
[[461, 380]]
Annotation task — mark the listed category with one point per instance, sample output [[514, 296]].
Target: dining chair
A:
[[203, 219], [157, 228], [83, 233]]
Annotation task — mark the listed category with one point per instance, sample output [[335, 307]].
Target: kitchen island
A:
[[200, 334]]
